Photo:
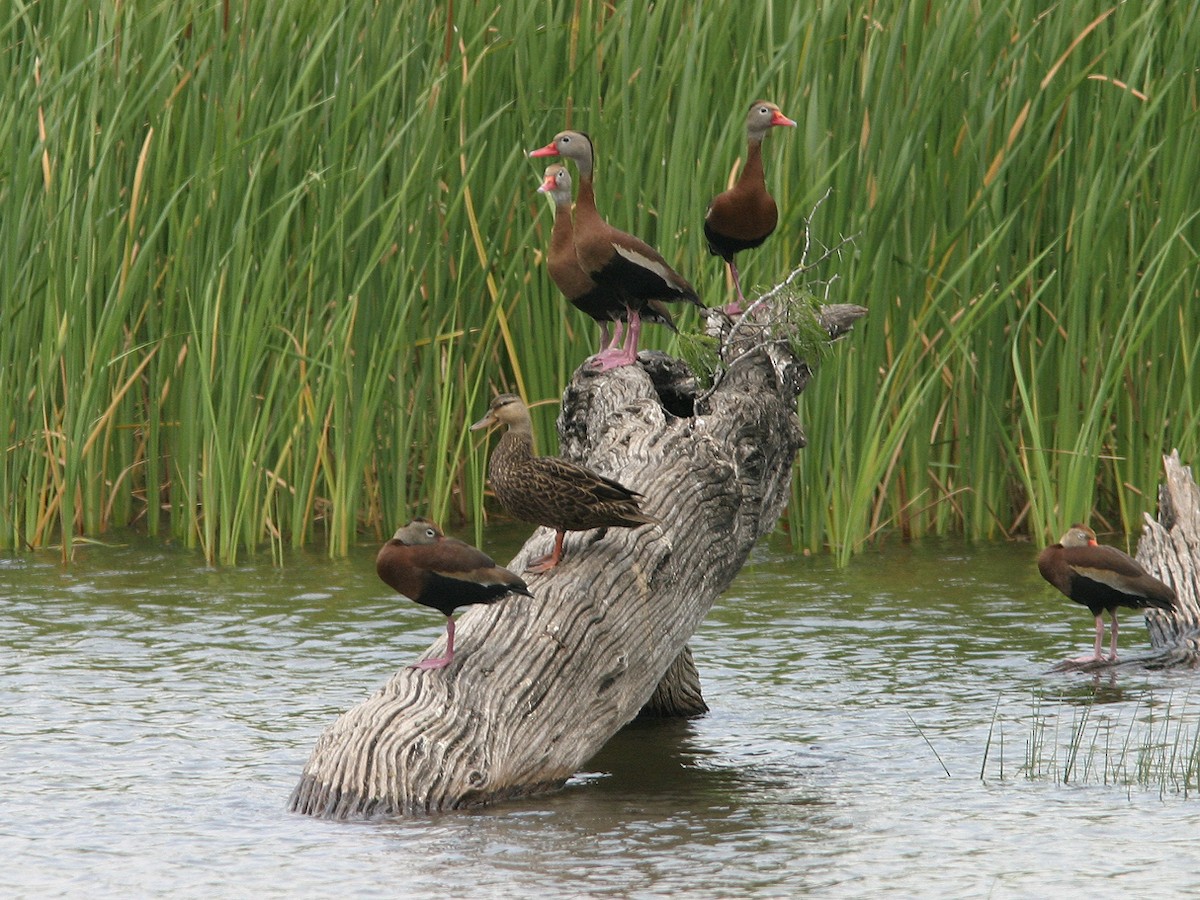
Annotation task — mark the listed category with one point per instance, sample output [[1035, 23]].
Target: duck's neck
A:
[[562, 235], [752, 172], [586, 163], [515, 444], [585, 204]]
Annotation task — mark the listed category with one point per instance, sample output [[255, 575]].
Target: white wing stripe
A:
[[645, 262]]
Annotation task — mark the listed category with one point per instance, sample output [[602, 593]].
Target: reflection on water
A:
[[157, 714]]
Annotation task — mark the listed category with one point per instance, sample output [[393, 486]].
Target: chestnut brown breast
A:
[[745, 215], [602, 303]]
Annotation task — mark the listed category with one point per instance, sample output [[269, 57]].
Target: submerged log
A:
[[539, 684], [1169, 549]]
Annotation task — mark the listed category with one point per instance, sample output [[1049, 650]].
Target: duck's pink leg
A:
[[613, 357], [440, 662], [1096, 654], [737, 307]]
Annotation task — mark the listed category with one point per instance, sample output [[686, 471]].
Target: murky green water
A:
[[156, 716]]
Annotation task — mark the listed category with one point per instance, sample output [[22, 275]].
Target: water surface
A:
[[887, 727]]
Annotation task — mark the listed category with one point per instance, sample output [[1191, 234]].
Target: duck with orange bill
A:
[[744, 216], [601, 303], [615, 260], [1103, 579]]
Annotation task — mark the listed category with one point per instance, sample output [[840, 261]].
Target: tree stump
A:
[[1170, 550], [539, 684]]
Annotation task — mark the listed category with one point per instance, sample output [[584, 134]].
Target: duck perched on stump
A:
[[442, 573], [1101, 578], [546, 490], [603, 304], [744, 216], [616, 260]]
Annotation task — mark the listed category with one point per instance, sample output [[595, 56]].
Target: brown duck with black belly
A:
[[744, 216], [602, 304], [1101, 578], [548, 491], [612, 258], [442, 573]]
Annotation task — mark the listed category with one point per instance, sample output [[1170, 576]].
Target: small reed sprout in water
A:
[[1151, 745]]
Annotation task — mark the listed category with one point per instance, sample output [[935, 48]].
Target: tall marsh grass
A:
[[264, 262]]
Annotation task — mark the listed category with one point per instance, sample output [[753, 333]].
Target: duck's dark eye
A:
[[429, 532]]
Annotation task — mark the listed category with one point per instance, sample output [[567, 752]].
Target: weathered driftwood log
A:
[[539, 684], [1170, 550]]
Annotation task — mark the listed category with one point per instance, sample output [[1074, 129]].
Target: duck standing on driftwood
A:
[[546, 490], [442, 573], [744, 216], [601, 303], [1101, 578], [615, 260]]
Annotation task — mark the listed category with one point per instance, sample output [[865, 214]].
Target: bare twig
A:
[[775, 330]]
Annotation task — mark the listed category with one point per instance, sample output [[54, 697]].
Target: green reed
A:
[[1157, 746], [265, 263], [1026, 231]]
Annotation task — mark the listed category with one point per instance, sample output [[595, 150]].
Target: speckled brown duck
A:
[[549, 491]]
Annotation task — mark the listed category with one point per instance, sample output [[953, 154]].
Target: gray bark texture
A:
[[1169, 549], [538, 685]]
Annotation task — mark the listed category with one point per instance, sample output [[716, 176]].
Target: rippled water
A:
[[888, 727]]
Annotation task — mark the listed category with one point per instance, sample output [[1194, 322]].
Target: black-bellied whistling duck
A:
[[745, 215], [442, 573], [612, 258], [546, 490], [602, 304], [1101, 578]]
